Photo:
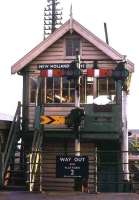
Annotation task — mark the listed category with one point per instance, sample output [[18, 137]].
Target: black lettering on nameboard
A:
[[58, 66]]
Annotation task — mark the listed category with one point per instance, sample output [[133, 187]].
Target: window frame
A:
[[65, 47], [30, 88], [108, 79]]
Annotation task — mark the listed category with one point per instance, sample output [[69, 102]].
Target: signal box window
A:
[[106, 87], [82, 89], [33, 88], [61, 90], [68, 90], [89, 89], [49, 90], [72, 44]]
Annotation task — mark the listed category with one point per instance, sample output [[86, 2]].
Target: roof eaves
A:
[[20, 64], [97, 41], [104, 47]]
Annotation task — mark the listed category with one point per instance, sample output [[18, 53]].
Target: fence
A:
[[98, 171], [111, 175], [63, 172]]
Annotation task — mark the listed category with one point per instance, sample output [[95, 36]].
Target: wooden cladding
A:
[[56, 53], [46, 175], [90, 51]]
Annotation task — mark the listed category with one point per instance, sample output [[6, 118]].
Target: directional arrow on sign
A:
[[54, 119]]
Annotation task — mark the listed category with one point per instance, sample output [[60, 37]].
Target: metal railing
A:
[[46, 177], [105, 172], [111, 176], [103, 175], [34, 157], [13, 137]]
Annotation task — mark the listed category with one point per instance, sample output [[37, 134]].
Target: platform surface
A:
[[67, 196]]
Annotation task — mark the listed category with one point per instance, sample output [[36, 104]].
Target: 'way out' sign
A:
[[72, 166]]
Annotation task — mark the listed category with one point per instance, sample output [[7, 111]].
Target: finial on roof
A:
[[71, 14], [71, 19]]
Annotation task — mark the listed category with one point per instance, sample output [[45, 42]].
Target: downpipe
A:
[[125, 149]]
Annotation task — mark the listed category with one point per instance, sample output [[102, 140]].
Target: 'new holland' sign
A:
[[58, 66]]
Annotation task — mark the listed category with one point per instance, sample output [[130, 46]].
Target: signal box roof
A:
[[73, 25]]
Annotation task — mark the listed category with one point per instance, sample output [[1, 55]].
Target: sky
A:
[[21, 29]]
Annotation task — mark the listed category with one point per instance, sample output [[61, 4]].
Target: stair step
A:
[[15, 188], [16, 172], [17, 157], [17, 178]]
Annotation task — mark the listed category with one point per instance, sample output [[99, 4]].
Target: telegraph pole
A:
[[52, 17], [106, 33]]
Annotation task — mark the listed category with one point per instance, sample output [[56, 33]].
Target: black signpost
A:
[[72, 167]]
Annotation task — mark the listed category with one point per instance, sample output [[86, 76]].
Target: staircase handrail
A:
[[36, 147], [12, 133]]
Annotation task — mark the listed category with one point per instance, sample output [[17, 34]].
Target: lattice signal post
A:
[[52, 17]]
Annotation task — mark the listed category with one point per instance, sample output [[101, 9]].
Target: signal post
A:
[[77, 105]]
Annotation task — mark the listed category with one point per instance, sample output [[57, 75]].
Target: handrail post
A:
[[96, 172], [1, 169]]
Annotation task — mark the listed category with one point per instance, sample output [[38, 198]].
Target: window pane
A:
[[106, 91], [65, 90], [56, 88], [68, 92], [89, 90], [41, 91], [71, 46], [72, 91], [33, 88], [49, 83], [112, 86], [72, 96], [62, 90], [82, 89], [102, 86], [68, 47], [106, 86], [76, 45], [49, 90]]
